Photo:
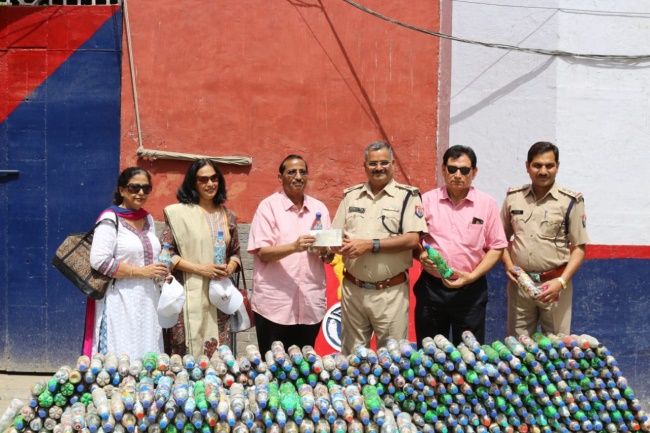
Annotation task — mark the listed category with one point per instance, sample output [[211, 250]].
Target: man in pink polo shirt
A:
[[289, 298], [465, 227]]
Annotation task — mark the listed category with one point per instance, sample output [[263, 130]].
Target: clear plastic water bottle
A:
[[166, 258], [219, 249], [316, 225]]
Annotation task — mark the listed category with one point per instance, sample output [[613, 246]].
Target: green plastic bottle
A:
[[502, 350], [289, 397], [372, 399], [150, 361], [445, 271], [493, 355], [542, 341]]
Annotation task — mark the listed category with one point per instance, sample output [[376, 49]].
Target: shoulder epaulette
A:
[[574, 194], [517, 188], [412, 189], [352, 188]]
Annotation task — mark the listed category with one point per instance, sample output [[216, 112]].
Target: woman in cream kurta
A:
[[125, 320], [192, 227]]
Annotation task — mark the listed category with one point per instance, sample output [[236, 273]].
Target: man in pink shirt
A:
[[289, 298], [465, 228]]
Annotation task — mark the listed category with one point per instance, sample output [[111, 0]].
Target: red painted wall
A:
[[264, 79]]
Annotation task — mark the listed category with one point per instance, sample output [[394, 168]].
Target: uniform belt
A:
[[379, 285], [551, 275]]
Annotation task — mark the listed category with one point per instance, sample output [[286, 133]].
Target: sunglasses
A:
[[204, 179], [134, 188], [294, 172], [451, 169]]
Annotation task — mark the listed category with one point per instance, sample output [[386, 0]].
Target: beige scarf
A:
[[194, 240]]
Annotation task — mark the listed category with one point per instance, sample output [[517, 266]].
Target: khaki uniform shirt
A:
[[362, 215], [538, 225]]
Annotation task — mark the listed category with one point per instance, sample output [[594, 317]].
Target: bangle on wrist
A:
[[562, 282], [131, 275]]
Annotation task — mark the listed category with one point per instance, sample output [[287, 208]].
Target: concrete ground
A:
[[17, 385]]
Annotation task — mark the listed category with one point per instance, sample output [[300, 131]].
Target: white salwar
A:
[[129, 307]]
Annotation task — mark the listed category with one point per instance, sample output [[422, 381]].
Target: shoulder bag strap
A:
[[92, 230]]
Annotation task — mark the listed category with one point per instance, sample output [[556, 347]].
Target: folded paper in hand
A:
[[327, 238]]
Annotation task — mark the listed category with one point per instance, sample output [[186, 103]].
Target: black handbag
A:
[[72, 259]]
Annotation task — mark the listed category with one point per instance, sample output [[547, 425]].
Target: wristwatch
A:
[[375, 245]]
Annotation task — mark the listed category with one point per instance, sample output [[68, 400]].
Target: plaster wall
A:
[[596, 111], [319, 78]]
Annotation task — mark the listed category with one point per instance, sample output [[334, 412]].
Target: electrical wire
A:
[[557, 53], [568, 10]]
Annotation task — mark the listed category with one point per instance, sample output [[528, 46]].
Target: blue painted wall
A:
[[64, 138], [611, 302]]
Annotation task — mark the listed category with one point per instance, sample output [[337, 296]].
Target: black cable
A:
[[557, 53]]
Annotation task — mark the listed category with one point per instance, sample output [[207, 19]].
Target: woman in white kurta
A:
[[126, 321]]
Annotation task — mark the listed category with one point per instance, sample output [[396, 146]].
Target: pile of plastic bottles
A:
[[540, 384]]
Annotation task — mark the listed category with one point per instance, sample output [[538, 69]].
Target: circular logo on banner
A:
[[332, 326]]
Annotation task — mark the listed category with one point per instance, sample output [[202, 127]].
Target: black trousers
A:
[[439, 309], [268, 332]]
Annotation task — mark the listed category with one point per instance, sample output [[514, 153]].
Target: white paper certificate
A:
[[327, 238]]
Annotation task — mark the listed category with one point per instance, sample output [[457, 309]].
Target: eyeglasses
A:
[[204, 179], [134, 188], [375, 164], [451, 169], [294, 172]]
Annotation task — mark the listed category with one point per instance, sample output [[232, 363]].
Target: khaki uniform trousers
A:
[[386, 312], [524, 313]]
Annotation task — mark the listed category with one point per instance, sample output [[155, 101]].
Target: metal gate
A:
[[59, 161]]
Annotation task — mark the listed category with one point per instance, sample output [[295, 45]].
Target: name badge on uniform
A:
[[516, 212], [356, 209]]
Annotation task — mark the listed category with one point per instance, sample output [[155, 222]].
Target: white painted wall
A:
[[597, 112]]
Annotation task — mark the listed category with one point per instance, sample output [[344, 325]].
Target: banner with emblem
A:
[[329, 337]]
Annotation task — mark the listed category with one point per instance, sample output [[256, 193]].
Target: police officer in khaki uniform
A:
[[382, 222], [548, 223]]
